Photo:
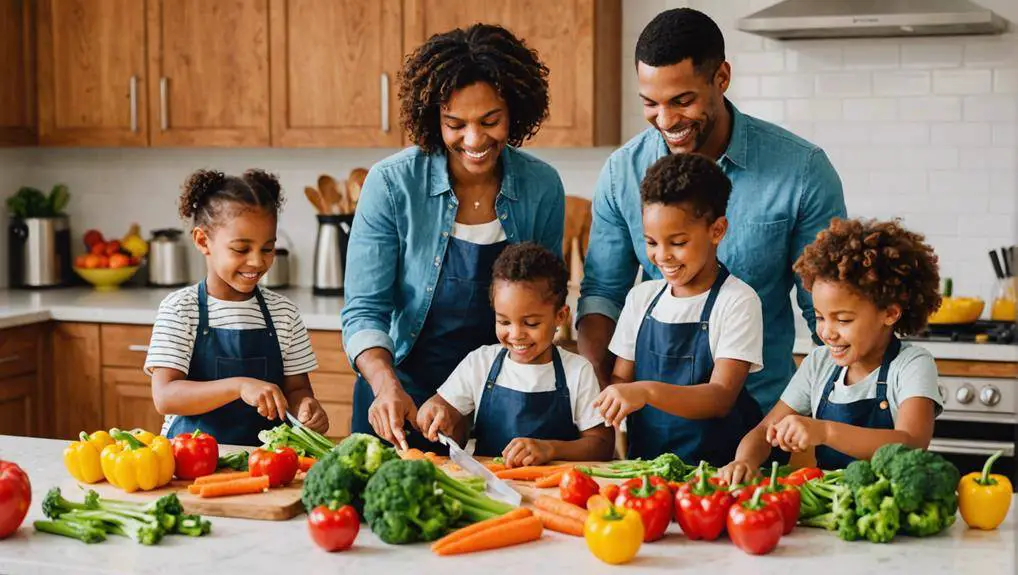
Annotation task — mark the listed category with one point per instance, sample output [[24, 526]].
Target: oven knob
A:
[[965, 394], [989, 396]]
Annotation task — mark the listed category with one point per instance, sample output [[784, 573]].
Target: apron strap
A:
[[265, 312], [653, 302], [496, 368], [892, 351], [560, 372], [719, 281], [203, 308], [828, 388]]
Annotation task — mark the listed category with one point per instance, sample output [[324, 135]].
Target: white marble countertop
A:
[[245, 546]]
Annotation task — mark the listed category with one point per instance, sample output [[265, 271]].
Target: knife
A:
[[495, 487]]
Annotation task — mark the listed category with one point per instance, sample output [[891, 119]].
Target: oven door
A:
[[967, 439]]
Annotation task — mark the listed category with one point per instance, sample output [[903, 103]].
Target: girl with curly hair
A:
[[433, 218], [871, 281]]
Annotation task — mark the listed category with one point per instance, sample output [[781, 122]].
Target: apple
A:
[[119, 261], [93, 237], [98, 249]]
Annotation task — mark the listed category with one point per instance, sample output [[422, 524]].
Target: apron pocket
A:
[[255, 367]]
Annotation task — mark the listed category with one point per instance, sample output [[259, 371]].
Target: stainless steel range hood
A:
[[792, 19]]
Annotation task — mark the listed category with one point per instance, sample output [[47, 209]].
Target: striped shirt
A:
[[177, 323]]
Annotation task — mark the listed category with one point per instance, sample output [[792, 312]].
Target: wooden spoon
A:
[[330, 193], [353, 186], [315, 197]]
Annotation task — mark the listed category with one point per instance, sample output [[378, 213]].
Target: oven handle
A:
[[968, 447]]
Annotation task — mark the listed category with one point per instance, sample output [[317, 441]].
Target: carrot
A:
[[460, 534], [559, 507], [530, 472], [219, 477], [560, 523], [242, 486], [495, 467], [511, 533], [412, 453], [550, 480], [194, 489], [305, 463]]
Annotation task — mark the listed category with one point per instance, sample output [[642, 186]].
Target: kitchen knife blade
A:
[[1005, 256], [995, 260], [495, 487]]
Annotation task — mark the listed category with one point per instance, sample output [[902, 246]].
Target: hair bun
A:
[[198, 187], [265, 180]]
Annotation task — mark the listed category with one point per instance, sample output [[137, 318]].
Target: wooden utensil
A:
[[315, 197], [354, 185], [331, 194]]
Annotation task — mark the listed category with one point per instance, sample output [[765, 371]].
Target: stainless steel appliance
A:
[[39, 252], [330, 253], [277, 276], [167, 259], [980, 417]]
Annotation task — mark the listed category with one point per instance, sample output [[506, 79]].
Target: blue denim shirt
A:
[[402, 226], [784, 191]]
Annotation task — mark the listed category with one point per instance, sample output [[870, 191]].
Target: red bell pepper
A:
[[15, 497], [802, 475], [194, 454], [652, 498], [279, 465], [701, 508], [334, 529], [786, 497], [755, 526], [576, 487], [610, 491]]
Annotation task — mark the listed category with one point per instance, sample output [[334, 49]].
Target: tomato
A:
[[334, 529], [577, 487], [279, 465], [15, 497]]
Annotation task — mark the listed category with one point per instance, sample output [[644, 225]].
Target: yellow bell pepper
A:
[[163, 450], [614, 535], [81, 458], [131, 465], [984, 499]]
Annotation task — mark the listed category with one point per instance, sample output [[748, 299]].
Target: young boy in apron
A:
[[685, 343], [864, 388], [532, 401]]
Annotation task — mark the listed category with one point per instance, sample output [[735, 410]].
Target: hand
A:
[[265, 396], [436, 415], [797, 433], [525, 451], [619, 400], [312, 415], [392, 406], [737, 472]]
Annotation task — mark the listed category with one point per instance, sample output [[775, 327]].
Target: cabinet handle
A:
[[9, 359], [385, 102], [164, 118], [134, 104], [137, 348]]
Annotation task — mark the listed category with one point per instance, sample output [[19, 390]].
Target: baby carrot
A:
[[530, 472], [511, 533], [244, 486], [559, 507], [560, 523], [518, 513], [550, 480], [305, 463], [218, 477]]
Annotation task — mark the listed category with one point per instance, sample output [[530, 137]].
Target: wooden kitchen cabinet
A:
[[579, 41], [75, 402], [21, 350], [333, 381], [334, 66], [17, 91], [208, 66], [127, 400], [91, 73]]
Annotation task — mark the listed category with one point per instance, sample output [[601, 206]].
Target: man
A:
[[784, 191]]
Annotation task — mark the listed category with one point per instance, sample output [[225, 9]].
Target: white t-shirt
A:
[[735, 325], [912, 374], [481, 234], [465, 386]]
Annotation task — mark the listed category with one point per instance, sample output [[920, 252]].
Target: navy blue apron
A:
[[872, 413], [221, 353], [505, 414], [459, 321], [679, 354]]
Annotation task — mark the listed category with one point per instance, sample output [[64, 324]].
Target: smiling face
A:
[[854, 329], [238, 251], [682, 246], [475, 128], [526, 316], [685, 105]]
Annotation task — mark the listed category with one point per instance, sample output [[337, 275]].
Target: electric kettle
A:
[[330, 253]]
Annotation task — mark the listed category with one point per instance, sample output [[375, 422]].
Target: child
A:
[[532, 402], [225, 356], [685, 343], [864, 388]]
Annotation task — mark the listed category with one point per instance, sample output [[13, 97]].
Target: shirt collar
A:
[[439, 174], [738, 146]]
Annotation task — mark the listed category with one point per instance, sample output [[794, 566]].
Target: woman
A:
[[433, 218]]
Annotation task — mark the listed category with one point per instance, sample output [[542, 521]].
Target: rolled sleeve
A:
[[363, 340]]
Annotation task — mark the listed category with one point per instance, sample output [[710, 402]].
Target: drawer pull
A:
[[10, 359], [137, 348]]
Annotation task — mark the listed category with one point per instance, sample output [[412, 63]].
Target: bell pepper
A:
[[334, 528], [194, 454], [163, 450], [614, 535], [652, 499], [15, 497], [610, 491], [786, 497], [802, 475], [755, 526], [280, 465], [984, 499], [576, 487], [131, 465], [81, 458], [701, 508]]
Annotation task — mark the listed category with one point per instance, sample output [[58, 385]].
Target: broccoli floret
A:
[[402, 503], [847, 526], [192, 525], [146, 530], [927, 521], [882, 526], [54, 504], [80, 530], [301, 439], [869, 497], [668, 466], [885, 458], [364, 454], [331, 480], [858, 474]]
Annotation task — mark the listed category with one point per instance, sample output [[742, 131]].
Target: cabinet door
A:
[[77, 388], [209, 72], [92, 73], [335, 392], [127, 400], [18, 397], [17, 91], [334, 65]]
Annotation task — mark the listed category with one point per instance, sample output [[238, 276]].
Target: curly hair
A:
[[453, 60], [207, 194], [692, 180], [882, 261], [681, 33], [532, 263]]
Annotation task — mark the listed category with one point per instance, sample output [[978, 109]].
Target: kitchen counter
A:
[[238, 546], [943, 350]]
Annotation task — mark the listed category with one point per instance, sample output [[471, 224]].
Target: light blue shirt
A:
[[784, 191], [401, 229]]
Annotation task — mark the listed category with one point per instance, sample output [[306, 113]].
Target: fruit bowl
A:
[[106, 279], [957, 310]]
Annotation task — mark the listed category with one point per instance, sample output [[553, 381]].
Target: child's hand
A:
[[436, 415], [737, 472], [265, 396], [619, 400], [312, 415], [525, 451], [797, 433]]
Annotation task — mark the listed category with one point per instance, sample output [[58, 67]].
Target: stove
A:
[[982, 331]]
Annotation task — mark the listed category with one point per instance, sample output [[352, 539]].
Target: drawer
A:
[[125, 345], [328, 347], [333, 387], [19, 350], [340, 415]]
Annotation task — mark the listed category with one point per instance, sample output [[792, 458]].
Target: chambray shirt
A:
[[401, 229], [784, 191]]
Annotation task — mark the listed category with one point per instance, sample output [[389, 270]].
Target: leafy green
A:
[[30, 202]]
